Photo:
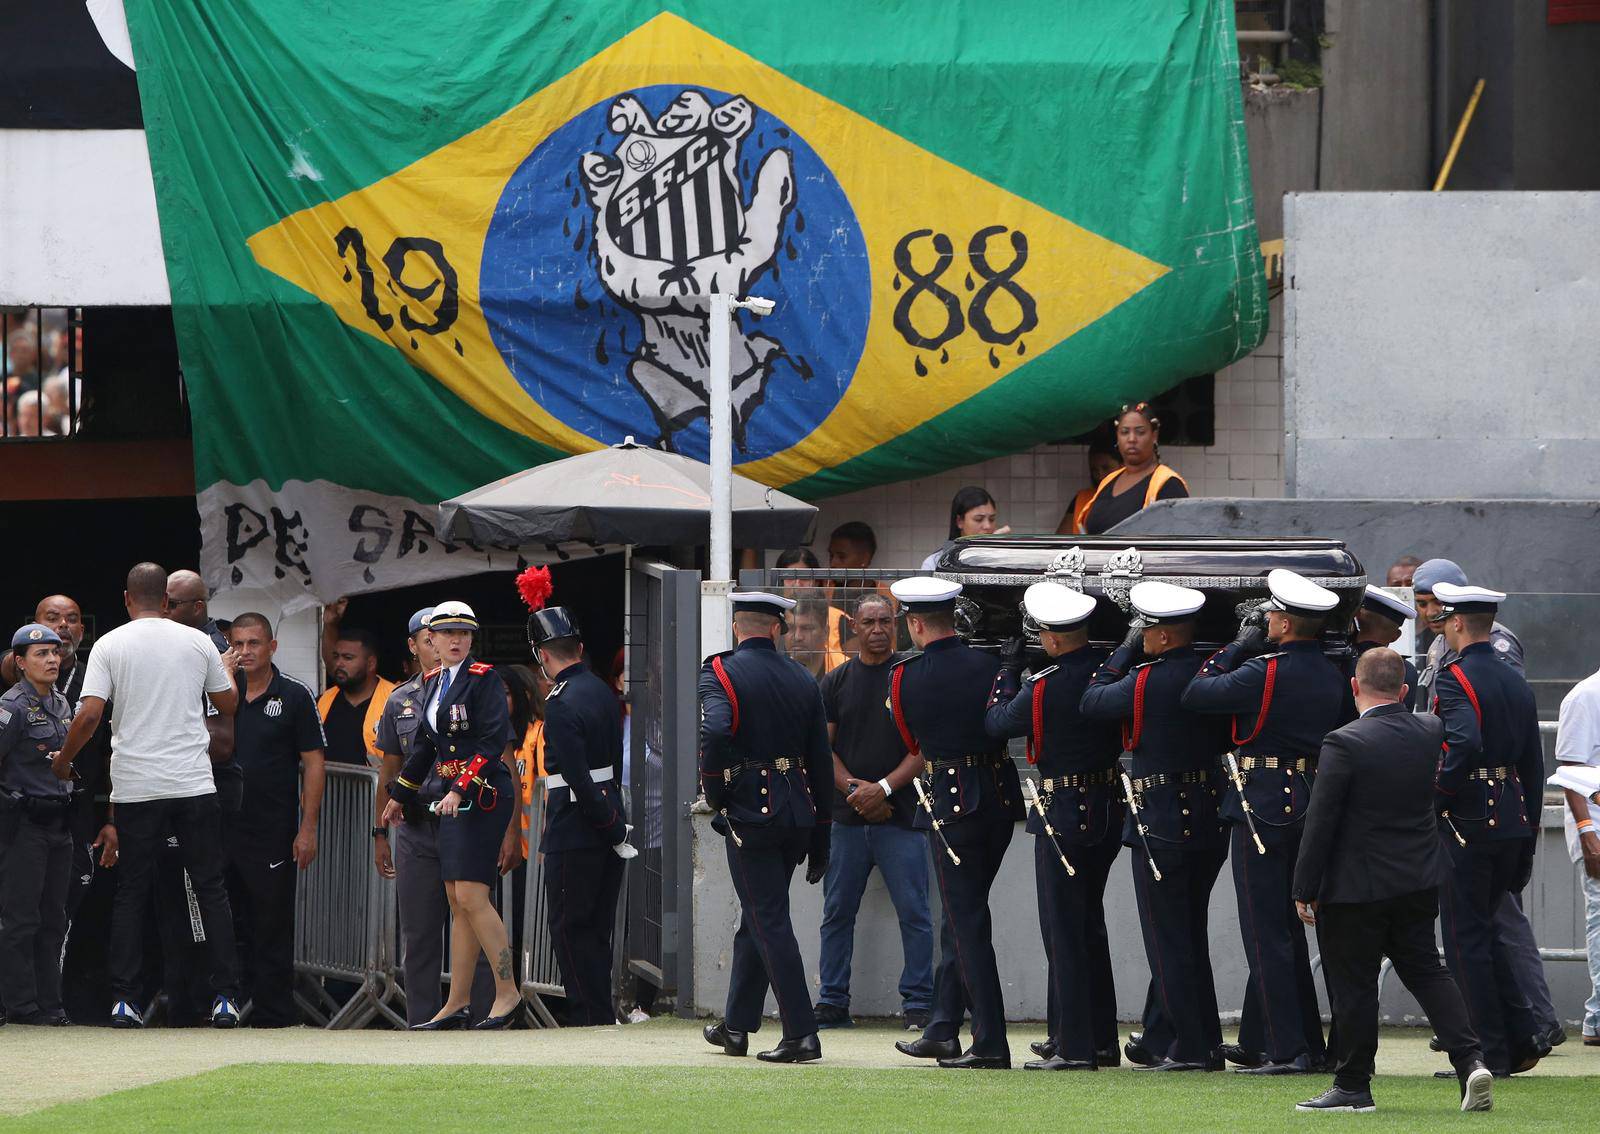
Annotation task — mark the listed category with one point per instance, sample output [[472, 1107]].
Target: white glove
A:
[[623, 849]]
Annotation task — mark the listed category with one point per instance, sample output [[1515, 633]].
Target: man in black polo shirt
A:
[[277, 737], [872, 812]]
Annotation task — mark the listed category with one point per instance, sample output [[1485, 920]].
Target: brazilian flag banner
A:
[[414, 247]]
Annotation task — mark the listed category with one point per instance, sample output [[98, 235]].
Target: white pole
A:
[[721, 420]]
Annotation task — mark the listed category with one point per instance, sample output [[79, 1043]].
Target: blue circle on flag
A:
[[605, 242]]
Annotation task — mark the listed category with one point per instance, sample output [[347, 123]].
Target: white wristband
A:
[[887, 790]]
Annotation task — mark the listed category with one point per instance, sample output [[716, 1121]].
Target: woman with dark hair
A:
[[972, 512], [1142, 479], [526, 691], [838, 623]]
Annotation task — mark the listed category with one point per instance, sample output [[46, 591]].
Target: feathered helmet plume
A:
[[545, 623]]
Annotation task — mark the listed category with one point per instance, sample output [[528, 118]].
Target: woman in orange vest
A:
[[1103, 461], [1142, 479], [526, 690]]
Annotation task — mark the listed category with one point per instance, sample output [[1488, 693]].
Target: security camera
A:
[[758, 305]]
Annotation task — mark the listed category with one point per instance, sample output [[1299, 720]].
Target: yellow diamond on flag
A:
[[554, 275]]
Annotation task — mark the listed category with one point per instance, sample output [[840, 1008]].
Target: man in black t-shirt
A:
[[277, 741], [872, 811]]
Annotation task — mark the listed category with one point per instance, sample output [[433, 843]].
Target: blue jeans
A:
[[1591, 899], [901, 856]]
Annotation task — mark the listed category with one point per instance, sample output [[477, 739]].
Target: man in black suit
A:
[[1368, 878]]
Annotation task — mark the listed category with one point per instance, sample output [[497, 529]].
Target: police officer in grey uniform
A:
[[410, 852], [35, 843]]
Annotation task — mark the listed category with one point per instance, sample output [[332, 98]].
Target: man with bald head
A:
[[187, 596]]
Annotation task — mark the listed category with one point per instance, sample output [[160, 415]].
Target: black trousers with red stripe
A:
[[1476, 951], [968, 975], [1072, 918], [1281, 1016], [1181, 1012], [765, 952], [581, 890]]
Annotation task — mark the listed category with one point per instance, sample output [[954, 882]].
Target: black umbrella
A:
[[626, 494]]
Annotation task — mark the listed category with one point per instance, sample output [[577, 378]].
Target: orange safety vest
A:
[[1158, 478], [530, 770], [380, 697]]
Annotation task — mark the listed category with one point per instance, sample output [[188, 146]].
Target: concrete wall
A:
[[1376, 95], [78, 220], [1442, 345], [1553, 902], [1557, 102], [1281, 128]]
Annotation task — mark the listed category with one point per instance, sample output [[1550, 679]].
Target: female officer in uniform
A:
[[463, 732]]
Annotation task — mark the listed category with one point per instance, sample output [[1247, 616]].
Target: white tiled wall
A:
[[1033, 489]]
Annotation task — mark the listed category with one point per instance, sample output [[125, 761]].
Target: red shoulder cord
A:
[[727, 687], [899, 717], [1466, 687], [1261, 715], [1130, 740], [1036, 738]]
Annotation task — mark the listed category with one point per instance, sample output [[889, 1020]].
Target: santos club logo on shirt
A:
[[274, 707]]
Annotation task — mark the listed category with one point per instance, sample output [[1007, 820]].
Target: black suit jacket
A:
[[1371, 831]]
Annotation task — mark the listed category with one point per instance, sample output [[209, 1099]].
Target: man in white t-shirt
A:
[[1578, 742], [157, 673]]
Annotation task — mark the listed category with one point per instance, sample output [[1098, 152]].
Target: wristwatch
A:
[[380, 832], [887, 790]]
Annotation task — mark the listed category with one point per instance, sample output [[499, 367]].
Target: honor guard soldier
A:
[[971, 800], [1172, 825], [584, 841], [462, 740], [1379, 621], [1282, 703], [767, 770], [35, 843], [1077, 820], [1490, 792], [410, 852]]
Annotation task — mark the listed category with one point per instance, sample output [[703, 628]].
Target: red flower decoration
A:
[[535, 587]]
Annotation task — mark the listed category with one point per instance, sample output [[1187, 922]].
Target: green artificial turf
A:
[[284, 1097]]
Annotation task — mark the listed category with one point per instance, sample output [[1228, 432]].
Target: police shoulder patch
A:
[[1503, 645], [5, 717], [1043, 673]]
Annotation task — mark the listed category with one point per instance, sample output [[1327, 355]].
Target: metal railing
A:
[[345, 912], [41, 374]]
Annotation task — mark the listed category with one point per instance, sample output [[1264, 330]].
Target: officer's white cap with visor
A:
[[1166, 602], [923, 594], [761, 602], [1296, 594], [1055, 607], [1392, 607], [453, 615], [1466, 600]]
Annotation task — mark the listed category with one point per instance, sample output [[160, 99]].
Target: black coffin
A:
[[995, 570]]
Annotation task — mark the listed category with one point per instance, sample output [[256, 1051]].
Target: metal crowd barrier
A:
[[345, 912], [541, 976]]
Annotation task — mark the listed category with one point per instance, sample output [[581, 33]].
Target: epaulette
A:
[[1137, 666], [723, 654], [912, 656], [1264, 657], [1045, 672], [555, 690], [480, 668]]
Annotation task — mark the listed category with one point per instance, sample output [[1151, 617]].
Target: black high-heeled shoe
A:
[[453, 1022], [495, 1023]]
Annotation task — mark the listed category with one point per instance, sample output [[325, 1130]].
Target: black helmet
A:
[[550, 623]]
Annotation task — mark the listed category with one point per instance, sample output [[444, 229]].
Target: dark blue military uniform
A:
[[1410, 699], [471, 721], [1490, 791], [1077, 762], [35, 852], [766, 765], [1174, 771], [1283, 704], [420, 901], [583, 819], [940, 698]]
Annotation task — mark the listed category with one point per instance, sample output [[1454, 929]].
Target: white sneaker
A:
[[1479, 1093], [638, 1015], [125, 1015]]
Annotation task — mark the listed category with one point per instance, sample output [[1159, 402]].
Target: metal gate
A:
[[663, 666]]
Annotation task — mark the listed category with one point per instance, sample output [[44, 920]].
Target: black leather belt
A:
[[781, 764], [1079, 780], [1271, 763], [1162, 779], [981, 760], [1491, 774]]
